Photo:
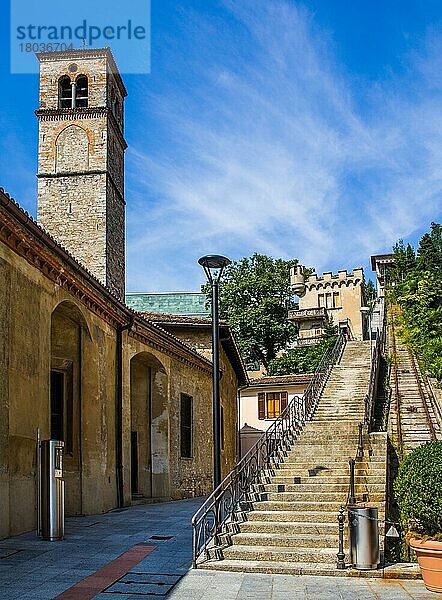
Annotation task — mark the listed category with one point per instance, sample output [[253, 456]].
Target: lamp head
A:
[[213, 265]]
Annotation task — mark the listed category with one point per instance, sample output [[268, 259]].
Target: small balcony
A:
[[303, 342], [308, 314]]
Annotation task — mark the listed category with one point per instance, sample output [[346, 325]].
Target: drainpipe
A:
[[119, 412], [238, 426]]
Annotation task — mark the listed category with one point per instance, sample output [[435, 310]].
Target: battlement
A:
[[342, 274]]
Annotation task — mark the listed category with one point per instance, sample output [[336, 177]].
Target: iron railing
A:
[[378, 351], [220, 513]]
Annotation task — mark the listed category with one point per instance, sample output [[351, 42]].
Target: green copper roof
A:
[[175, 303]]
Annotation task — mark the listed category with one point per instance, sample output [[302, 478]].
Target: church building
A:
[[129, 398]]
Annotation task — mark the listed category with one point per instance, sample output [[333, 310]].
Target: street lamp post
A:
[[213, 266]]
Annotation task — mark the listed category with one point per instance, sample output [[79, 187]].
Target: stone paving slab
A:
[[43, 570], [213, 585]]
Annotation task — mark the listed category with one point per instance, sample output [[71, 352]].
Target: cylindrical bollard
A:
[[52, 490], [364, 537]]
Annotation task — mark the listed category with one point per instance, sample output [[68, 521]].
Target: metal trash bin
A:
[[364, 537], [52, 490]]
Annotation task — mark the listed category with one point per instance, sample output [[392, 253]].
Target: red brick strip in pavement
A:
[[103, 578]]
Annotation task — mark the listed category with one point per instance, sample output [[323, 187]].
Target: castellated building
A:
[[336, 297], [81, 160]]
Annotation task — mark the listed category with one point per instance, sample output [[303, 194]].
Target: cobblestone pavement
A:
[[145, 551]]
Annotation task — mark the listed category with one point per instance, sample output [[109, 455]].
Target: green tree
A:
[[404, 261], [430, 250], [370, 291], [419, 294], [255, 296]]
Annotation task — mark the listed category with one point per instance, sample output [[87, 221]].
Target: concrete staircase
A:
[[292, 525]]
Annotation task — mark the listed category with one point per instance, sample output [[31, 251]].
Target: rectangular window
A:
[[328, 300], [186, 425], [321, 300], [57, 405], [271, 404], [335, 299]]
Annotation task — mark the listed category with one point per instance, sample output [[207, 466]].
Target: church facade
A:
[[131, 401]]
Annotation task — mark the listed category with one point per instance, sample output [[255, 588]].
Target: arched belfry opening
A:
[[149, 431], [65, 92], [81, 91], [73, 94], [68, 333]]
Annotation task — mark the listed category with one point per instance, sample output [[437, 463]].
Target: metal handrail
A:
[[218, 516], [374, 371]]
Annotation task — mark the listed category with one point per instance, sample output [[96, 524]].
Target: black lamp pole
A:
[[213, 266]]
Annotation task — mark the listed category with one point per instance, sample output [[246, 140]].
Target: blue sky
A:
[[309, 130]]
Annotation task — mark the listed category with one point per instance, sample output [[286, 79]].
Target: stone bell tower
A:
[[81, 159]]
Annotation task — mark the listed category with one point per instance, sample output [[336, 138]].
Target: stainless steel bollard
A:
[[52, 490], [364, 537]]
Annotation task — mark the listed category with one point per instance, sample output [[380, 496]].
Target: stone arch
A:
[[149, 427], [68, 331], [72, 150]]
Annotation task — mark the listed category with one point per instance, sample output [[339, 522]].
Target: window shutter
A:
[[261, 406], [284, 400]]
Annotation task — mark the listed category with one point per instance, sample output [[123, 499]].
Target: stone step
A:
[[298, 506], [325, 529], [290, 516], [334, 452], [323, 471], [270, 540], [282, 567], [336, 418], [315, 438], [324, 480], [320, 487], [340, 429], [322, 446], [316, 496], [282, 527], [328, 461], [282, 553]]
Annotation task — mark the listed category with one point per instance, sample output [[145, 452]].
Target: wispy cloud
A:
[[269, 151]]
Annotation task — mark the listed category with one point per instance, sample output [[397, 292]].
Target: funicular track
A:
[[415, 415]]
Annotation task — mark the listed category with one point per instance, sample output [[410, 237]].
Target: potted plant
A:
[[418, 489]]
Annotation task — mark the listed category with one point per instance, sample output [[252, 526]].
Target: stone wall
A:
[[53, 317], [201, 340]]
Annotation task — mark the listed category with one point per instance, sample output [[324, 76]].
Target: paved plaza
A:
[[145, 551]]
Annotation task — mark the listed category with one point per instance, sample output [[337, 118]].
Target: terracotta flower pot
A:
[[429, 556]]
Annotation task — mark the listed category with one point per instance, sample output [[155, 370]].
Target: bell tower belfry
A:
[[81, 159]]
